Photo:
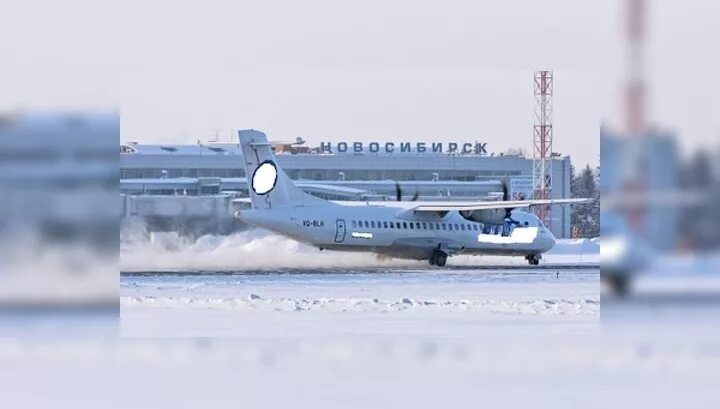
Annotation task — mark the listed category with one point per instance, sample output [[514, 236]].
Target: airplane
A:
[[420, 230], [623, 255]]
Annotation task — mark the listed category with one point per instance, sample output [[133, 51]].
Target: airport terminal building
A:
[[659, 159], [165, 183]]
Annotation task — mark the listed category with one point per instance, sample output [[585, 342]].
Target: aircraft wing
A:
[[428, 206], [504, 204]]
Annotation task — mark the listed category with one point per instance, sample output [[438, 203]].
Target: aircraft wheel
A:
[[533, 260], [432, 259], [619, 285], [440, 258]]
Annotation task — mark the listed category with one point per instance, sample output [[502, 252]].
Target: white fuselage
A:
[[394, 231], [414, 229]]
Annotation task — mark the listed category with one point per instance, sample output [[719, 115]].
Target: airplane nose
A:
[[549, 239], [545, 239]]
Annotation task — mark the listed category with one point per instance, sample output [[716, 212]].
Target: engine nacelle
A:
[[494, 216]]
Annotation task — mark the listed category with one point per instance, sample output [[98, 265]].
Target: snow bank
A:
[[576, 246], [374, 305]]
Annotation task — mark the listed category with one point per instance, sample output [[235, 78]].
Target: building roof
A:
[[176, 149]]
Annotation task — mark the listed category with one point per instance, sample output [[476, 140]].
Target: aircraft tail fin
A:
[[268, 186]]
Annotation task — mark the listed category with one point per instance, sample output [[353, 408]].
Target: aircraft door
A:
[[340, 231]]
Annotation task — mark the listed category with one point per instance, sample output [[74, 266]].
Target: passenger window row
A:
[[376, 224], [504, 230]]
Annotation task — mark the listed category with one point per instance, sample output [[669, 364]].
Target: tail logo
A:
[[264, 178]]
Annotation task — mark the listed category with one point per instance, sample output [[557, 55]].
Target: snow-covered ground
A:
[[376, 337], [371, 334], [365, 333], [644, 357], [259, 284], [359, 302]]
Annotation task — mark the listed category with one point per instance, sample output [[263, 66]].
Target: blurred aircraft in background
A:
[[657, 204], [624, 253]]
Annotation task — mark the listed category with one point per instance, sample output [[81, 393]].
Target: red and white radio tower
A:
[[542, 143], [634, 108], [635, 84]]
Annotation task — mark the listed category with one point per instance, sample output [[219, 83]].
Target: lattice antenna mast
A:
[[542, 143], [633, 183], [635, 81]]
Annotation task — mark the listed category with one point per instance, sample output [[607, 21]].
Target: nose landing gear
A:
[[438, 258], [533, 259]]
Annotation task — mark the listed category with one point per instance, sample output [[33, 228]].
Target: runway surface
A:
[[385, 302]]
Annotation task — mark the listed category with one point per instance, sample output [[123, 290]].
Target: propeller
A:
[[506, 194], [398, 193]]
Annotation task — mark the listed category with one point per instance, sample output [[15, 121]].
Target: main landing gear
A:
[[438, 258], [533, 259], [620, 285]]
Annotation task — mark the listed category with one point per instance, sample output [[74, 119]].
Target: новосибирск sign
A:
[[404, 147]]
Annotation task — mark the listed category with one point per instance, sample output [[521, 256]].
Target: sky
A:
[[682, 61], [361, 71]]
